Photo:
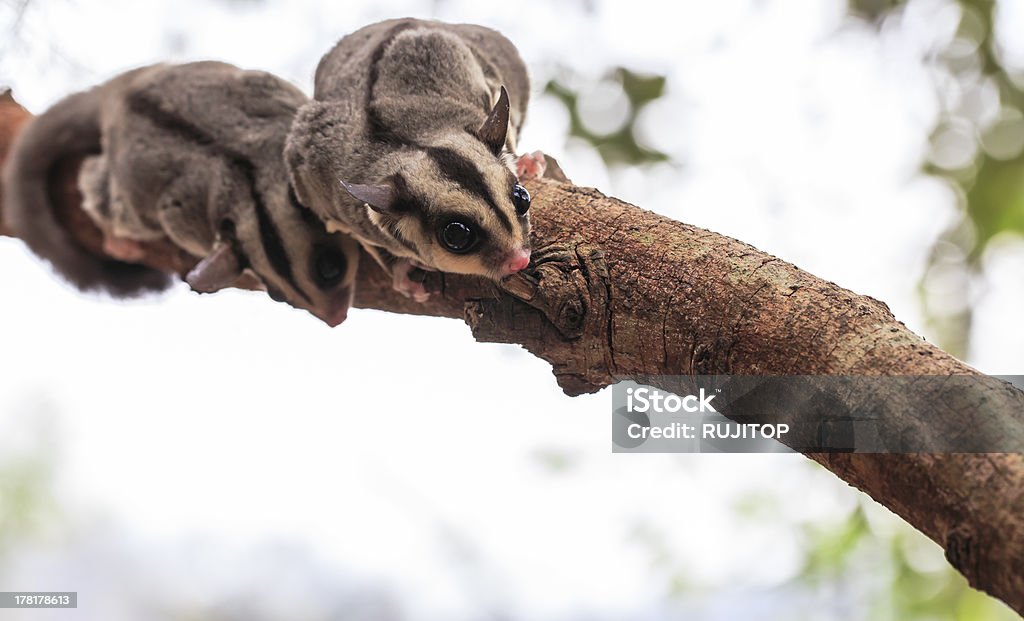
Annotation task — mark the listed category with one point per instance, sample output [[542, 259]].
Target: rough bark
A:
[[617, 292]]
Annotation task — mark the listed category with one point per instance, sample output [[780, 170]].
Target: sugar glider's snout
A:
[[335, 314], [516, 261]]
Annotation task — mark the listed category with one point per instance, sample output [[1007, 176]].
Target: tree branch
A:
[[618, 292]]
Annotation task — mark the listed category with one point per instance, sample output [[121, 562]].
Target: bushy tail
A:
[[71, 127]]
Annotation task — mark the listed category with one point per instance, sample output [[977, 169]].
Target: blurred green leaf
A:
[[619, 147], [992, 182]]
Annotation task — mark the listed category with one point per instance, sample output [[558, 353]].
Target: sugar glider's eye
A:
[[329, 266], [458, 237], [521, 199]]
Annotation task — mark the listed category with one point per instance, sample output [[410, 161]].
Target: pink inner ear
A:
[[216, 271]]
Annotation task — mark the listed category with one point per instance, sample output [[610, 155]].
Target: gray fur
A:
[[386, 94], [192, 153]]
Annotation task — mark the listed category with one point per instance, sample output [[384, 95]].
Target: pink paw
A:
[[531, 165], [404, 284]]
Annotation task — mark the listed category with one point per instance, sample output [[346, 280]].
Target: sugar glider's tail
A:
[[70, 128]]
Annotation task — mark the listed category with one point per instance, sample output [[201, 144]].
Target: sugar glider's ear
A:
[[380, 198], [495, 127], [218, 270]]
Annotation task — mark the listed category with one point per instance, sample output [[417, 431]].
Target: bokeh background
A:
[[224, 457]]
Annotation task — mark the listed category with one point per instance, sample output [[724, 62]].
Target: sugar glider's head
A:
[[455, 204], [288, 249]]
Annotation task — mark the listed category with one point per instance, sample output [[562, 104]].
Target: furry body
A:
[[394, 145], [191, 153]]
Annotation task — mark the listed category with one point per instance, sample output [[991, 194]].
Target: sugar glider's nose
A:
[[337, 312], [516, 261], [333, 318], [336, 318]]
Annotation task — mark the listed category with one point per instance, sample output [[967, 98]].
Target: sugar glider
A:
[[191, 153], [408, 146]]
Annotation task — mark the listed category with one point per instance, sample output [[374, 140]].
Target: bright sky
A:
[[398, 449]]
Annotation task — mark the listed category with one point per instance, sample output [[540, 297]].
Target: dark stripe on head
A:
[[272, 243], [462, 171], [140, 103], [378, 129], [404, 202]]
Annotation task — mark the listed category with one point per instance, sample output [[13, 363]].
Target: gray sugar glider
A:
[[191, 153], [408, 147]]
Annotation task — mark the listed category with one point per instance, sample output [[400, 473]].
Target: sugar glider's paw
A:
[[407, 279], [123, 249], [531, 165]]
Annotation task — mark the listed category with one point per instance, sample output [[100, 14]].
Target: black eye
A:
[[329, 266], [458, 237], [521, 199]]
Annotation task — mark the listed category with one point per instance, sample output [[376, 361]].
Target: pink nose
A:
[[516, 261]]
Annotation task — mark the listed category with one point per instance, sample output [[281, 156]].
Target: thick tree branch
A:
[[617, 292]]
